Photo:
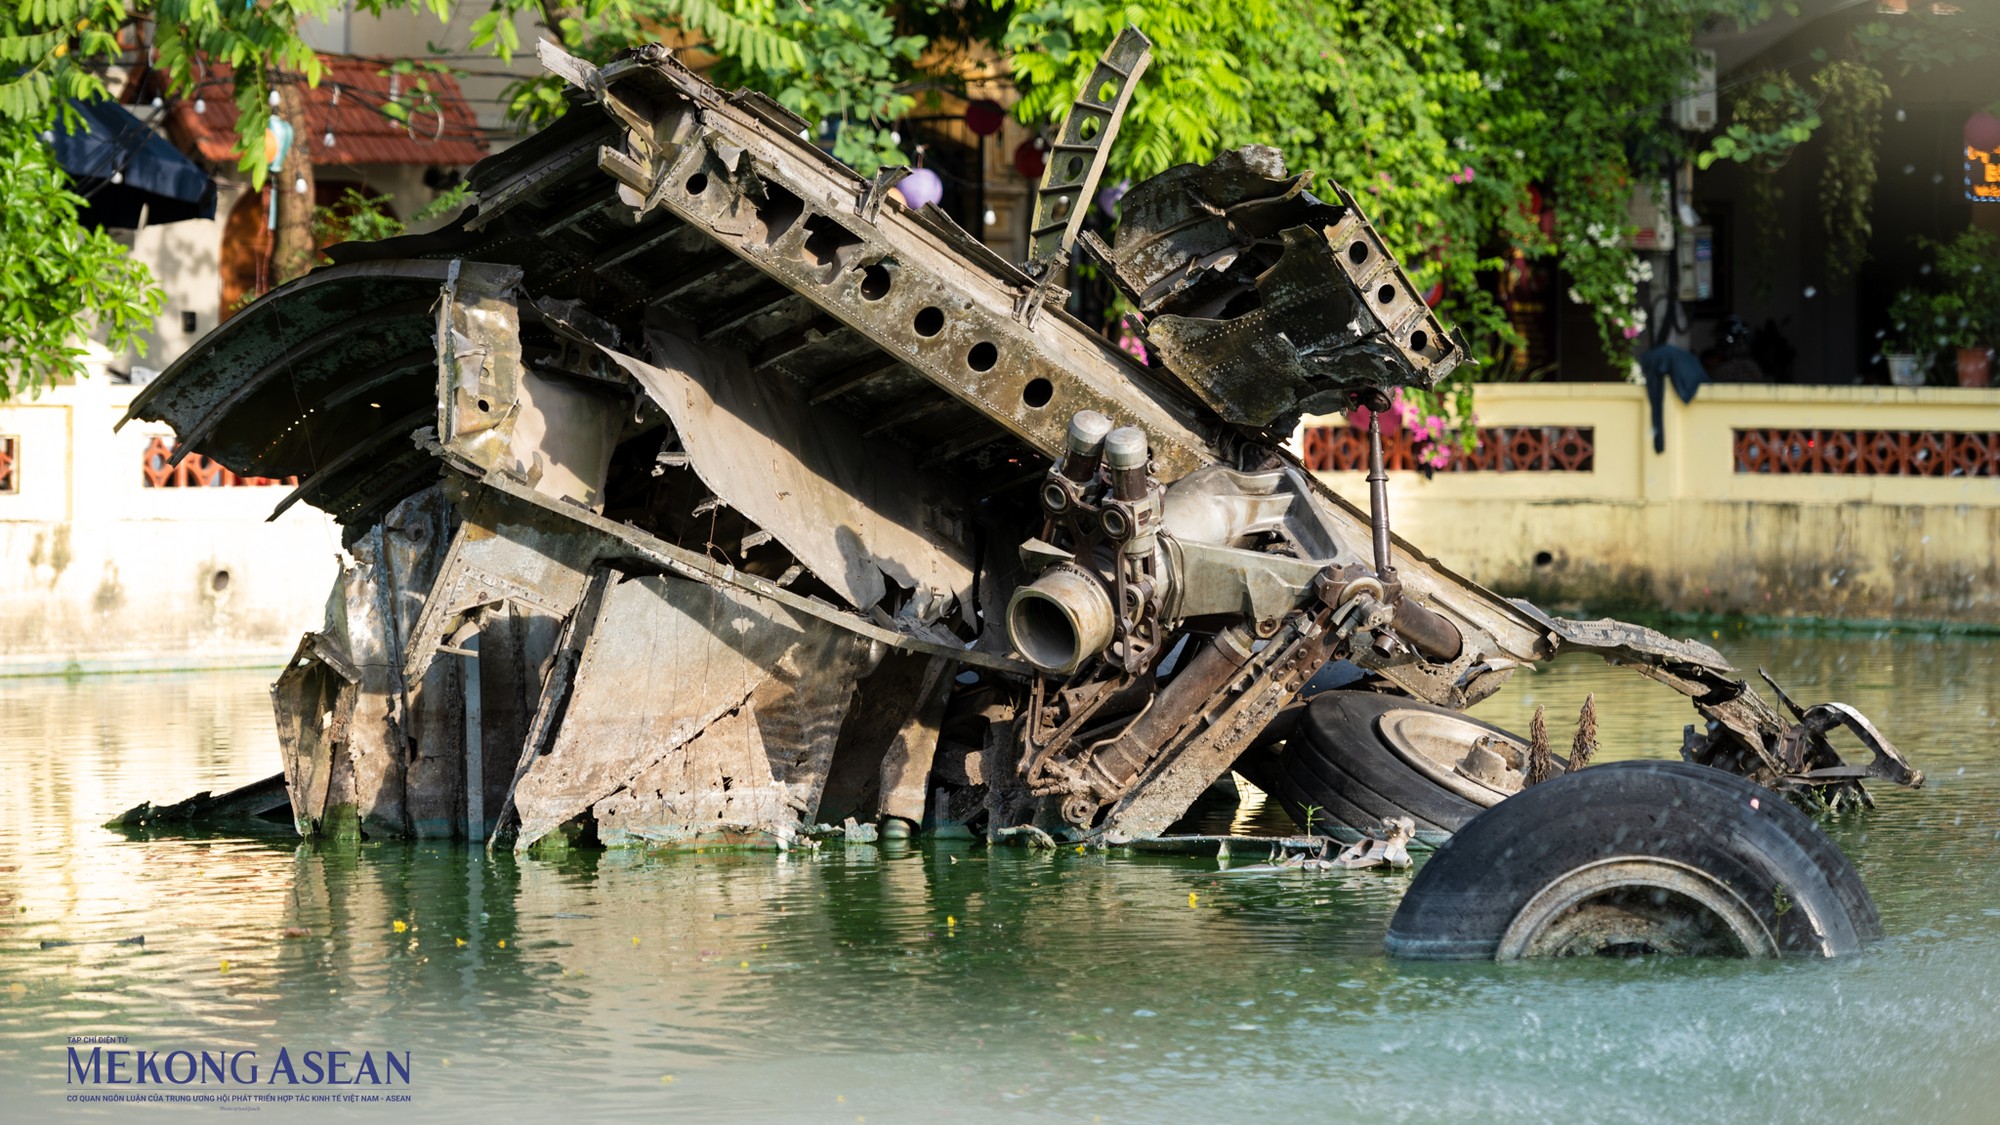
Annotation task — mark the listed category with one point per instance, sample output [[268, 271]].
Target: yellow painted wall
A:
[[1683, 530]]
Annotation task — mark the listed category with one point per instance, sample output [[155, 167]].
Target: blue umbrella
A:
[[119, 165]]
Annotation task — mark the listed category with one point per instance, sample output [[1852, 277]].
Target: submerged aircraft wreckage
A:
[[695, 487]]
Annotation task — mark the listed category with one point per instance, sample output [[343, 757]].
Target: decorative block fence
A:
[[1858, 502]]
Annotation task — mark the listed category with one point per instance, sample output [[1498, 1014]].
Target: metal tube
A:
[[1378, 496], [1192, 687], [1086, 444], [1125, 452], [1061, 619], [1431, 633]]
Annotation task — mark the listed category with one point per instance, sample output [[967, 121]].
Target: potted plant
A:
[[1912, 341], [1967, 312]]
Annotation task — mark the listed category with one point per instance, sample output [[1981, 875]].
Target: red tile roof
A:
[[441, 130]]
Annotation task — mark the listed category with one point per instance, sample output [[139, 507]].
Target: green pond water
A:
[[957, 983]]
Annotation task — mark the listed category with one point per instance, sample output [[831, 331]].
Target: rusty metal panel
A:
[[720, 781], [504, 551], [1262, 334], [313, 702], [629, 541], [496, 412], [665, 659], [855, 513], [373, 777], [906, 767]]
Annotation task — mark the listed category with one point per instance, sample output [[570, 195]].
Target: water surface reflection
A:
[[957, 982]]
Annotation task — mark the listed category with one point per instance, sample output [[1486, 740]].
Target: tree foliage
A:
[[837, 61], [1444, 117], [58, 274], [60, 280]]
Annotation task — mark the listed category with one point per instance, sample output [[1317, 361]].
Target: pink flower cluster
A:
[[1429, 433], [1128, 336], [1463, 175]]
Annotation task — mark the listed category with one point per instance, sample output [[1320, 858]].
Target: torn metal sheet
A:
[[665, 659], [260, 806], [1266, 301], [906, 765], [857, 515], [321, 380], [720, 780], [503, 552], [497, 412], [314, 701]]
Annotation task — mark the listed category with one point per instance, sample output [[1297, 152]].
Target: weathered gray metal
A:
[[695, 487]]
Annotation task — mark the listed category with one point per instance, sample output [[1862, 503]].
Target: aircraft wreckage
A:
[[697, 488]]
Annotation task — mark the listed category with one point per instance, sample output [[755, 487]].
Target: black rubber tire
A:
[[1787, 871], [1336, 759]]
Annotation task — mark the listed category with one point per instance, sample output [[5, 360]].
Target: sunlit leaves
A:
[[60, 278], [57, 278], [838, 61]]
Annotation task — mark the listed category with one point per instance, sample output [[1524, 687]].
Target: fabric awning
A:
[[120, 166]]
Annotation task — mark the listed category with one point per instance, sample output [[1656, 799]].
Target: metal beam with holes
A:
[[921, 289]]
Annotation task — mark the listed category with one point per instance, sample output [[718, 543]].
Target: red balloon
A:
[[1029, 160], [1982, 131], [984, 117]]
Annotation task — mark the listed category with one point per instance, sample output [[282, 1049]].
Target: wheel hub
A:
[[1632, 906]]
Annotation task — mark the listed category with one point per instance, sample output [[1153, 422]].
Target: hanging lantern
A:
[[921, 186], [1029, 160], [1982, 131], [1107, 199], [277, 142], [984, 117]]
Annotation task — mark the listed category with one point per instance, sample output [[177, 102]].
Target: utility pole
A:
[[292, 245]]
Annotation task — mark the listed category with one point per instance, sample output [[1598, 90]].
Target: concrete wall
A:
[[100, 573], [1684, 531]]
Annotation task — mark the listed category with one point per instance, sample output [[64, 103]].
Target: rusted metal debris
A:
[[694, 487]]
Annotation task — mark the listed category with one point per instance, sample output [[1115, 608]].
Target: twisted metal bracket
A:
[[1076, 160]]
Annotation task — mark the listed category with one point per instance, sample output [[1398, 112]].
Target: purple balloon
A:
[[921, 186], [1107, 200]]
